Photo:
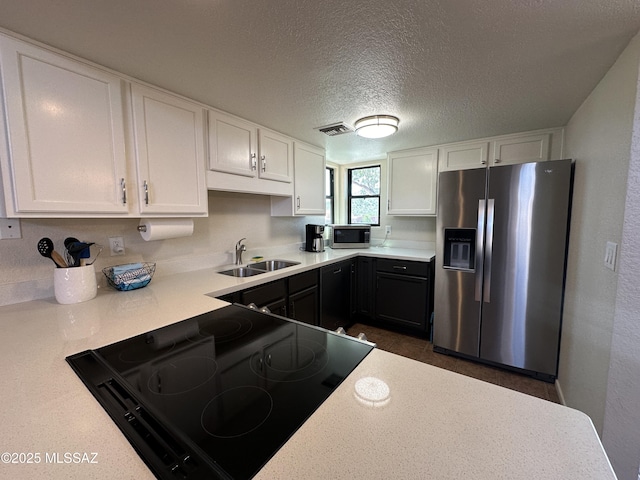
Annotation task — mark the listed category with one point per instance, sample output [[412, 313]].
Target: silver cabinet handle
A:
[[399, 267], [264, 163], [254, 163], [298, 202], [337, 271], [145, 185], [497, 160], [269, 359], [123, 186]]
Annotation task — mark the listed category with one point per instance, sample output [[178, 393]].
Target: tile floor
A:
[[421, 350]]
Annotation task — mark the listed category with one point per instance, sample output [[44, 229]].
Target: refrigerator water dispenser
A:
[[459, 248]]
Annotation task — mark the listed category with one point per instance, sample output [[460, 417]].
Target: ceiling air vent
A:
[[335, 129]]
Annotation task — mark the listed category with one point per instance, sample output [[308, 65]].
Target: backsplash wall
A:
[[25, 275]]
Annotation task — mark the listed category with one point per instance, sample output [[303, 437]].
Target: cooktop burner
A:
[[215, 396]]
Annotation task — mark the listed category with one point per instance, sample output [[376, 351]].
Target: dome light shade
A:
[[376, 126]]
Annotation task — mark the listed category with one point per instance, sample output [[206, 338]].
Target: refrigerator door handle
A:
[[480, 248], [489, 252]]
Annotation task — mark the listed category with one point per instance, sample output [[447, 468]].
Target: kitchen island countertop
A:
[[436, 424]]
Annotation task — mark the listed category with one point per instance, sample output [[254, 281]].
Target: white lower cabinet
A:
[[309, 165], [169, 151], [63, 145], [412, 182]]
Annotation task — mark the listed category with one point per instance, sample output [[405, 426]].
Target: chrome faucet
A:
[[239, 249]]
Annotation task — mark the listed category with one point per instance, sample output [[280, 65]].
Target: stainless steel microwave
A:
[[350, 236]]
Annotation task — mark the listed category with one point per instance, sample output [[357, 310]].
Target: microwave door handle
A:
[[480, 248]]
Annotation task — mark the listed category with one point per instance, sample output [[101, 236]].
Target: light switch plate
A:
[[610, 254], [10, 228]]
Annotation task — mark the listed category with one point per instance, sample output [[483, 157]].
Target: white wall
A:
[[599, 137], [621, 432], [25, 275], [407, 231]]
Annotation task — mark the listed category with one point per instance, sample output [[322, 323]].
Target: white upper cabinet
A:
[[169, 150], [276, 156], [309, 165], [503, 150], [63, 139], [244, 157], [521, 149], [461, 156], [232, 145], [412, 182]]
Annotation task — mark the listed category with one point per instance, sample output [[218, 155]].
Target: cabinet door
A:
[[413, 176], [232, 145], [303, 306], [463, 156], [169, 148], [402, 299], [309, 176], [276, 158], [365, 275], [65, 135], [271, 295], [528, 148], [336, 295]]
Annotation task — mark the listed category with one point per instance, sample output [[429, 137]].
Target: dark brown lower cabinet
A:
[[391, 293], [403, 294], [272, 295], [304, 297], [337, 281]]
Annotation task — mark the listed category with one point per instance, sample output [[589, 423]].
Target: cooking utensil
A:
[[72, 258], [45, 247], [96, 257], [77, 250]]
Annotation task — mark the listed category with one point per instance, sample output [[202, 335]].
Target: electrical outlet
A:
[[610, 253], [387, 230], [116, 244], [10, 228]]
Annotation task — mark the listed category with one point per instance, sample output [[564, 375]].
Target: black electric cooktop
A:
[[215, 396]]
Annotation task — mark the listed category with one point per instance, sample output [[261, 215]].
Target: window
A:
[[329, 197], [364, 195]]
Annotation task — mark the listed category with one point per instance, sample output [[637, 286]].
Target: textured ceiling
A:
[[451, 70]]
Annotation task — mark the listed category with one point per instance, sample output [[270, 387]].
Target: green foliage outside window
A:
[[364, 195]]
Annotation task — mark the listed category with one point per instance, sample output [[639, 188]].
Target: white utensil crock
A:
[[74, 285]]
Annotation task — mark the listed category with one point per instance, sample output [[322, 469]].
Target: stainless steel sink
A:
[[242, 272], [271, 265]]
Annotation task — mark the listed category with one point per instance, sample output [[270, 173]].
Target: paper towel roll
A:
[[162, 228]]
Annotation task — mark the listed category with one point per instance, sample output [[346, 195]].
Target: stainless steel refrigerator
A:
[[501, 253]]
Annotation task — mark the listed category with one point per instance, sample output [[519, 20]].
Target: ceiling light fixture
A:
[[376, 126]]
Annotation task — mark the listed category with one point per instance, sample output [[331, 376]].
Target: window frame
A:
[[332, 195], [350, 196]]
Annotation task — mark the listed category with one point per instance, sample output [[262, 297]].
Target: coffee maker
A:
[[315, 239]]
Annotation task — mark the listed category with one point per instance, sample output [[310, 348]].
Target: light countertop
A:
[[437, 424]]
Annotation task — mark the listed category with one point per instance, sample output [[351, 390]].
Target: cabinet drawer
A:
[[304, 280], [265, 294], [403, 267]]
